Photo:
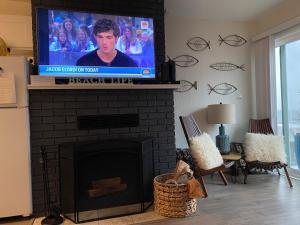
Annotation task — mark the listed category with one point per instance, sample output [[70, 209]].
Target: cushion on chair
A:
[[205, 153], [264, 148]]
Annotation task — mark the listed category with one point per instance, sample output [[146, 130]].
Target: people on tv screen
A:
[[106, 33], [90, 39]]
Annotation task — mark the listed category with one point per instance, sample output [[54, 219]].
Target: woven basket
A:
[[172, 200]]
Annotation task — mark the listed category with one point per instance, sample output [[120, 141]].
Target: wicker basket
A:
[[172, 200]]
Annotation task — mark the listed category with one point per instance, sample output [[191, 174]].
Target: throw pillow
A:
[[205, 153], [264, 148]]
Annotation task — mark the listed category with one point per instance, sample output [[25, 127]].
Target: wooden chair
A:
[[263, 126], [191, 129]]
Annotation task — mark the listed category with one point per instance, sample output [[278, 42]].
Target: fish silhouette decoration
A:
[[198, 44], [233, 40], [185, 60], [222, 89], [186, 86], [223, 66]]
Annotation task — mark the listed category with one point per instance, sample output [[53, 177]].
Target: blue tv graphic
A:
[[96, 71]]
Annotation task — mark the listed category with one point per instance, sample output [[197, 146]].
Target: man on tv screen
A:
[[106, 34]]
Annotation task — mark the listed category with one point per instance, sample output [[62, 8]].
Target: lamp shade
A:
[[221, 113]]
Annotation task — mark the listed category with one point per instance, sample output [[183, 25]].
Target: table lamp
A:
[[221, 114]]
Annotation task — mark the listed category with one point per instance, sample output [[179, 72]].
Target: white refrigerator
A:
[[15, 168]]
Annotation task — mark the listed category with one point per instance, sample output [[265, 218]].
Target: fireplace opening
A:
[[106, 186], [103, 179]]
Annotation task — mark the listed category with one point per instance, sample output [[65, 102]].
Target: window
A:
[[287, 70]]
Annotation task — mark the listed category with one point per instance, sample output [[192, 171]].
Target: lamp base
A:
[[222, 141]]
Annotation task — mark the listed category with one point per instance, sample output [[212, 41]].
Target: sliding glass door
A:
[[287, 61]]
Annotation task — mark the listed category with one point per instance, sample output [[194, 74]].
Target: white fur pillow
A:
[[264, 148], [205, 153]]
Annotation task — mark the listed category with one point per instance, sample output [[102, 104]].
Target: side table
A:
[[232, 161]]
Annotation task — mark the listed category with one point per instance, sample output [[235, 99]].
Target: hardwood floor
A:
[[265, 200]]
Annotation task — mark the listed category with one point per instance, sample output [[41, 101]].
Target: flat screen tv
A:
[[81, 44]]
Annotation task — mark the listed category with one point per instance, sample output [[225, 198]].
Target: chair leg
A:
[[201, 181], [246, 174], [288, 176], [278, 171], [223, 177]]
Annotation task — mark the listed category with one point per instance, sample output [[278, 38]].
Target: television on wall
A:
[[84, 44]]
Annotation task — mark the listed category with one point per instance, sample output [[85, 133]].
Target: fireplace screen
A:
[[107, 178]]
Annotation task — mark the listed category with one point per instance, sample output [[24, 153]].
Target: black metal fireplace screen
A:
[[103, 179]]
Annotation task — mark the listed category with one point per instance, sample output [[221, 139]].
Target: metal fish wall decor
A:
[[232, 40], [223, 66], [186, 86], [222, 89], [185, 60], [198, 44]]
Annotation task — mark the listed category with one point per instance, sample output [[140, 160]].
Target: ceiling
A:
[[232, 10]]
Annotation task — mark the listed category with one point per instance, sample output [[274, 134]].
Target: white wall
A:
[[178, 30], [16, 30], [16, 24]]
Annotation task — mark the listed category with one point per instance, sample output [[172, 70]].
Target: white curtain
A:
[[261, 79], [263, 73]]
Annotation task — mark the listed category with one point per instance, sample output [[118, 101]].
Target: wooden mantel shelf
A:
[[104, 86]]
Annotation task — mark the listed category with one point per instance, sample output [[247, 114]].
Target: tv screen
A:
[[81, 44]]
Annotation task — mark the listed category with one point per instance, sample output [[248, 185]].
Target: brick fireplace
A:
[[54, 113]]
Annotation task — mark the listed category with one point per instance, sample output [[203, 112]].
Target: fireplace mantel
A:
[[103, 86]]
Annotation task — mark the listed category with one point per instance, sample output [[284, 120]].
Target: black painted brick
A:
[[63, 98], [108, 111], [67, 112], [81, 112], [75, 105], [40, 127], [138, 103], [99, 132], [118, 104], [156, 115], [101, 104], [147, 109], [87, 98], [128, 110], [77, 133], [38, 112], [64, 139], [119, 130], [87, 138], [71, 119], [54, 119], [35, 105], [53, 105], [50, 134]]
